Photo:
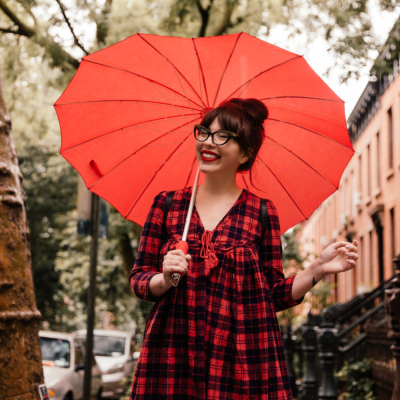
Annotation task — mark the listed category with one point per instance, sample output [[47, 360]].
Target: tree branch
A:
[[205, 16], [102, 24], [9, 30], [76, 40], [23, 29], [58, 54], [226, 20]]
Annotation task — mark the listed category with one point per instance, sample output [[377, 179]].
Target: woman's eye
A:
[[223, 135]]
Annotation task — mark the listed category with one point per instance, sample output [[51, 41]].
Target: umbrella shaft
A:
[[191, 204]]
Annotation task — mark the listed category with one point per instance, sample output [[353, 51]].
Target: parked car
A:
[[115, 355], [63, 359]]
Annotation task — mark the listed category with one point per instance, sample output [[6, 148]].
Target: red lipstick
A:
[[208, 159]]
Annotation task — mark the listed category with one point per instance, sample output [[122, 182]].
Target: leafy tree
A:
[[358, 380], [50, 189], [319, 297], [113, 292]]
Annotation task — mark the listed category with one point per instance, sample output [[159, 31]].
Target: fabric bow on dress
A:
[[208, 253]]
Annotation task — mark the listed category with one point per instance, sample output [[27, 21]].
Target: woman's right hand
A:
[[175, 261]]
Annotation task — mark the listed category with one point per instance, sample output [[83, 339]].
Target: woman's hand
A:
[[175, 261], [338, 257]]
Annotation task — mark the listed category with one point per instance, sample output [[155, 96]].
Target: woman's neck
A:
[[215, 186]]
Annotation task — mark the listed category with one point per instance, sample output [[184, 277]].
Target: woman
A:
[[216, 336]]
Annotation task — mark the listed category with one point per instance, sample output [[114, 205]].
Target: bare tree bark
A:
[[20, 359]]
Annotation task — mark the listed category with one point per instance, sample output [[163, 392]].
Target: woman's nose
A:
[[209, 141]]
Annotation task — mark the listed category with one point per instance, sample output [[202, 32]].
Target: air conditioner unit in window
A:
[[357, 198]]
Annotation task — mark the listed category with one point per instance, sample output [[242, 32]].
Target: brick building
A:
[[367, 205]]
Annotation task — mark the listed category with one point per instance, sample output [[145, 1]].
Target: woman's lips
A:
[[209, 159]]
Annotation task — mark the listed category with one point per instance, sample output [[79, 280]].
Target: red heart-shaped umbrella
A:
[[127, 120]]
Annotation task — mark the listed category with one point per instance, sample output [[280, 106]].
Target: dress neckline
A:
[[224, 218]]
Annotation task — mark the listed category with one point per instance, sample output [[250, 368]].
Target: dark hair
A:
[[244, 117]]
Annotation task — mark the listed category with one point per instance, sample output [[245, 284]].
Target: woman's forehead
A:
[[215, 124]]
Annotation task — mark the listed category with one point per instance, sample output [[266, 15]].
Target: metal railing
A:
[[366, 326]]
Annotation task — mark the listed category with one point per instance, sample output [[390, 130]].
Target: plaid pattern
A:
[[214, 337]]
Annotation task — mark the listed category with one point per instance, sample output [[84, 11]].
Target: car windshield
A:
[[109, 346], [55, 352]]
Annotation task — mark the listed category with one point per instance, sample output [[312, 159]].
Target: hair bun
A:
[[255, 108]]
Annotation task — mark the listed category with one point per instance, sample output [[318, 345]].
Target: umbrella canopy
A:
[[127, 120]]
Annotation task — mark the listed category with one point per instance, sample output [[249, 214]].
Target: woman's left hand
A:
[[338, 257]]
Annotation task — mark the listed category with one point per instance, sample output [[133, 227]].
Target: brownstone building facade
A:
[[367, 205]]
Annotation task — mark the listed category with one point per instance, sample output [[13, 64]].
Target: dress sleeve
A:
[[146, 264], [271, 261]]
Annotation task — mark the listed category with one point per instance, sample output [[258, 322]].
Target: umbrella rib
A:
[[300, 108], [152, 178], [301, 97], [132, 154], [201, 73], [262, 72], [141, 76], [165, 144], [175, 70], [309, 130], [226, 66], [125, 101], [184, 151], [125, 127], [283, 187], [305, 162]]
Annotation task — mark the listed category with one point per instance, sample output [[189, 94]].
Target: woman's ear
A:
[[244, 158]]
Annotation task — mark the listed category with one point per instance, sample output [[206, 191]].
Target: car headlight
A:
[[51, 392], [115, 369]]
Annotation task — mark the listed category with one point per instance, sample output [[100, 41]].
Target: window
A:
[[392, 229], [371, 257], [79, 356], [360, 174], [390, 123], [369, 170], [361, 262], [55, 352], [378, 164]]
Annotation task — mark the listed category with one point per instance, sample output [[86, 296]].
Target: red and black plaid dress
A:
[[216, 335]]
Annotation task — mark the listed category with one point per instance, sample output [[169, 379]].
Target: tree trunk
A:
[[20, 359]]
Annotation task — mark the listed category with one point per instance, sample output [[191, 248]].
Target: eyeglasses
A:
[[219, 138]]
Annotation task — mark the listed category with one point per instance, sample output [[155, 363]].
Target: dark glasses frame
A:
[[230, 134]]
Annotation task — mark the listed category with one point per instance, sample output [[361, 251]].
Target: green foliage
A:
[[291, 254], [292, 263], [50, 189], [358, 381], [321, 296], [384, 64], [113, 293]]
